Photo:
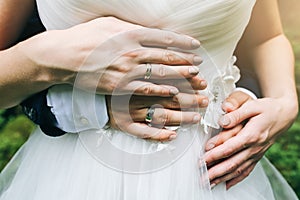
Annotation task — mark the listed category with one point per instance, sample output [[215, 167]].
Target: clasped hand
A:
[[110, 56], [250, 128]]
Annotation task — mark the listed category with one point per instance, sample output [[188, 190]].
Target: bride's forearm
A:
[[273, 62]]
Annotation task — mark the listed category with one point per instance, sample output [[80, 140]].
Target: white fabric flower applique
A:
[[218, 89]]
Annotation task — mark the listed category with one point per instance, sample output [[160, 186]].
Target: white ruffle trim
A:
[[218, 89]]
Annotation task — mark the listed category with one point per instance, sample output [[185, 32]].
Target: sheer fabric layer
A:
[[68, 172]]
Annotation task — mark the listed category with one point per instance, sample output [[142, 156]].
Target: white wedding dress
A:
[[106, 164]]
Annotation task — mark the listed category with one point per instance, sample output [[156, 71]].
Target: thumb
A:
[[235, 100], [244, 112]]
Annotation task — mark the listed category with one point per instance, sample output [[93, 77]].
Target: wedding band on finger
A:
[[148, 71], [149, 115]]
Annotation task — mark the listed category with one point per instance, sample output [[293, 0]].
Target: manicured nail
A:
[[174, 91], [228, 105], [204, 102], [197, 60], [225, 121], [196, 118], [194, 70], [203, 83], [195, 43], [210, 146], [172, 137], [212, 185]]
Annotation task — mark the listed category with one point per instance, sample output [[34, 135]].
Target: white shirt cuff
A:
[[250, 93], [77, 110]]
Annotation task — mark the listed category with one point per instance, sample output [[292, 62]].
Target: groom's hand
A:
[[146, 117]]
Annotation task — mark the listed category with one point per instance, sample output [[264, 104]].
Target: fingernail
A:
[[224, 121], [194, 70], [204, 102], [196, 118], [174, 91], [172, 137], [210, 146], [195, 43], [203, 83], [212, 185], [228, 105], [197, 60]]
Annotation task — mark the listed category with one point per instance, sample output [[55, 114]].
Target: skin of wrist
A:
[[291, 105], [38, 51]]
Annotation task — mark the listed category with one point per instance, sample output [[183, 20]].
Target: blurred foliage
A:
[[284, 154], [13, 134]]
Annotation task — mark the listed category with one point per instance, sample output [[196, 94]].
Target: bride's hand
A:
[[168, 111], [233, 154], [108, 56]]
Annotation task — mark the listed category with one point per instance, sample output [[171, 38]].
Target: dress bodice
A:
[[218, 24]]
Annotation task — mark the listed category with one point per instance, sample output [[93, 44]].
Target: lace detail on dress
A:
[[220, 87]]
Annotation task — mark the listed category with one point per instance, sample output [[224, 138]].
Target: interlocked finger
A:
[[149, 89], [160, 71], [229, 165], [238, 179], [180, 101], [142, 130], [222, 137], [164, 117], [164, 38], [239, 171], [194, 83], [164, 56]]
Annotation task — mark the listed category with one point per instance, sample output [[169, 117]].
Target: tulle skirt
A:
[[108, 164]]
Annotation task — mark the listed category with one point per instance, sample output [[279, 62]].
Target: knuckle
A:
[[246, 173], [145, 136], [162, 136], [133, 54], [169, 39], [253, 139], [235, 116], [231, 167], [228, 151], [239, 172], [194, 101], [111, 86], [162, 71], [168, 56], [124, 68], [257, 137], [163, 117], [147, 89], [146, 55]]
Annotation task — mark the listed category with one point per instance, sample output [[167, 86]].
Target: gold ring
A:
[[148, 71]]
